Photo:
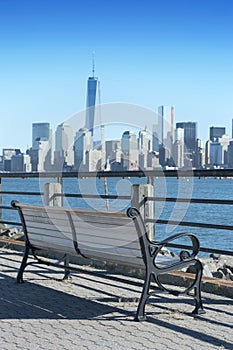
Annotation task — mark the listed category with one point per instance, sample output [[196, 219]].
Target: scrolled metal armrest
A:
[[193, 238]]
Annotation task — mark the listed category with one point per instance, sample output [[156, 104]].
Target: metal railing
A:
[[125, 174]]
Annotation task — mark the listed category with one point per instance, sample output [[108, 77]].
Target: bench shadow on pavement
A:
[[33, 301]]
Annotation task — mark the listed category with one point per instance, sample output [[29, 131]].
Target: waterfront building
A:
[[199, 154], [216, 132], [190, 137], [144, 147], [178, 149], [41, 156], [230, 155], [207, 153], [82, 145], [21, 163], [113, 151], [166, 126], [225, 141], [216, 154], [129, 147], [93, 160], [64, 152], [153, 161], [40, 132], [7, 154], [155, 139]]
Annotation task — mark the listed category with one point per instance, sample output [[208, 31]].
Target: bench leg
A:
[[67, 274], [197, 291], [140, 315], [23, 264]]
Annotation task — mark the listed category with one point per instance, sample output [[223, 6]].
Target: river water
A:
[[209, 188]]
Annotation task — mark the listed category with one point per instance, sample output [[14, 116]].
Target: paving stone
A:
[[95, 312]]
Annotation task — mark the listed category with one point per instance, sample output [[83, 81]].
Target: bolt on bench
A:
[[110, 236]]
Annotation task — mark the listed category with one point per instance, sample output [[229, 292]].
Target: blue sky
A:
[[149, 53]]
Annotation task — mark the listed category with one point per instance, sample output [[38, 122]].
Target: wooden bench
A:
[[110, 236]]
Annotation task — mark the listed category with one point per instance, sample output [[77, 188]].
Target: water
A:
[[171, 187]]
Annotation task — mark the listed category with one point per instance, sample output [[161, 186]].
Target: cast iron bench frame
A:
[[150, 251]]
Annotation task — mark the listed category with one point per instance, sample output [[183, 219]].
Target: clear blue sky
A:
[[148, 52]]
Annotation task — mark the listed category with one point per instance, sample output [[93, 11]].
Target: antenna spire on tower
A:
[[93, 64]]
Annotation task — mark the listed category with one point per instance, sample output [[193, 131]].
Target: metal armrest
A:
[[193, 238]]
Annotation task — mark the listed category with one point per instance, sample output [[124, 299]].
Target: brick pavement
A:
[[94, 312]]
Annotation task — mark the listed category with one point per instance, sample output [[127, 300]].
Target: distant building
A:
[[41, 157], [129, 147], [144, 147], [64, 152], [225, 141], [91, 100], [21, 163], [165, 128], [40, 132], [199, 154], [178, 149], [7, 154], [113, 151], [207, 153], [216, 154], [216, 133], [190, 137], [93, 160], [230, 155], [82, 145]]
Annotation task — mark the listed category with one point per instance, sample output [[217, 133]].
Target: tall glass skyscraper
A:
[[91, 98]]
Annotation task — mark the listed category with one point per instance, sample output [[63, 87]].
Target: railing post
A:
[[146, 208], [50, 191]]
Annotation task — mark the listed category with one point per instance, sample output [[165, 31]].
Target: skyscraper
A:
[[190, 137], [40, 132], [129, 147], [166, 118], [216, 132], [64, 154], [82, 145], [91, 99]]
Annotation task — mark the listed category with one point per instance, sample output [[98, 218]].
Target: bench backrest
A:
[[100, 235]]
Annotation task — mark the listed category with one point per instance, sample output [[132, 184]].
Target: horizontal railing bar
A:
[[158, 199], [78, 195], [189, 224], [191, 200], [23, 193], [202, 249], [14, 223], [7, 207], [137, 173]]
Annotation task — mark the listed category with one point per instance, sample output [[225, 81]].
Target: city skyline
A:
[[149, 54], [72, 149]]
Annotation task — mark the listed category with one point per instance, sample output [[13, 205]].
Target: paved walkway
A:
[[93, 312]]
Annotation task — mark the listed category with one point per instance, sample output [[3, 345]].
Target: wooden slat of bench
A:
[[99, 235]]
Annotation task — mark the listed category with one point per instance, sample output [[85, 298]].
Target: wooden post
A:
[[50, 189], [146, 208]]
